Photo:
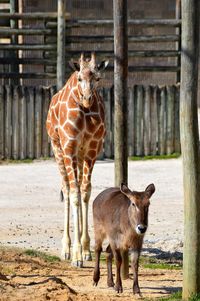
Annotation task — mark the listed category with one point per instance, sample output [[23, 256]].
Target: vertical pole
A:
[[190, 147], [178, 44], [120, 95], [14, 40], [61, 44]]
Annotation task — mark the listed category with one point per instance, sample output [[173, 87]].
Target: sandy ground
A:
[[31, 216], [34, 279]]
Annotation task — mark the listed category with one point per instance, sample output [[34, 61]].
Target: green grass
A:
[[9, 161], [175, 297], [152, 263], [159, 157], [42, 255]]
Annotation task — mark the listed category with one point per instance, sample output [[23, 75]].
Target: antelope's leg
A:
[[109, 258], [134, 263], [118, 261], [66, 240], [98, 250]]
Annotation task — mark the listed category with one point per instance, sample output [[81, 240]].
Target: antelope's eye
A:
[[97, 79]]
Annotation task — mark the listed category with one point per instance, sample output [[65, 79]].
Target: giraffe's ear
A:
[[102, 65], [74, 65]]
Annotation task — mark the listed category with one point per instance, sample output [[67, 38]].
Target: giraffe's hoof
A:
[[87, 257], [65, 256], [77, 264]]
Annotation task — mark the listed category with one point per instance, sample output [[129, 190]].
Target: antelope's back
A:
[[109, 205]]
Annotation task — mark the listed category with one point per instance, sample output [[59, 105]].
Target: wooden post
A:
[[190, 147], [14, 40], [61, 44], [178, 44], [120, 94]]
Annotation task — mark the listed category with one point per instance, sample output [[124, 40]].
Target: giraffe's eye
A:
[[79, 79]]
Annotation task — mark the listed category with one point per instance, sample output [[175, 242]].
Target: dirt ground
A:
[[31, 217], [34, 279]]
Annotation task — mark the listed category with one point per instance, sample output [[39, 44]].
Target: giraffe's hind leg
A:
[[66, 240]]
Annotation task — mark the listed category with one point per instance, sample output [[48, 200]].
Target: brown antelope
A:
[[121, 216]]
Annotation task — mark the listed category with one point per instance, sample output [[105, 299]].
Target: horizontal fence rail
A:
[[153, 121], [30, 39]]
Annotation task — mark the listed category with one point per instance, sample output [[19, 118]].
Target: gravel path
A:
[[32, 216]]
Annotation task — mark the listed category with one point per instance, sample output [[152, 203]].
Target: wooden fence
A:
[[153, 121]]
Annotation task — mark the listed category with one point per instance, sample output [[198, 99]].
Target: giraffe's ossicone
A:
[[75, 125]]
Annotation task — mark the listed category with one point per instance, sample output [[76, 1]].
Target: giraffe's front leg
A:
[[75, 201], [77, 259], [66, 241], [85, 196]]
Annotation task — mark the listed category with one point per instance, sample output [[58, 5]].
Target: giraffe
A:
[[75, 125]]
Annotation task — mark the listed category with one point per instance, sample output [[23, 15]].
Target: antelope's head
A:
[[139, 207]]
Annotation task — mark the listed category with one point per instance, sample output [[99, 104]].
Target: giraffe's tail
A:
[[61, 196]]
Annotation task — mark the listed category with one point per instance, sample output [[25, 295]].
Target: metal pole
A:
[[120, 95], [190, 147], [61, 44]]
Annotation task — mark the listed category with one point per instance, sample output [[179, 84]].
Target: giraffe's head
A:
[[88, 77]]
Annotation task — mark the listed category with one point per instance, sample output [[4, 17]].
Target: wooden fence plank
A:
[[15, 122], [53, 91], [31, 123], [38, 121], [8, 122], [177, 144], [108, 146], [147, 112], [45, 107], [130, 122], [2, 118], [162, 121], [154, 122], [139, 122], [23, 123], [170, 120]]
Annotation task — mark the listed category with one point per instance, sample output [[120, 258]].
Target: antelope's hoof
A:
[[77, 263], [138, 296], [118, 289], [110, 283], [95, 283]]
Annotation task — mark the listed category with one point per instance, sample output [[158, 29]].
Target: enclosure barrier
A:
[[153, 121], [19, 38]]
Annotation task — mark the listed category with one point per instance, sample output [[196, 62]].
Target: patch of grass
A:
[[176, 297], [195, 297], [152, 263], [173, 297], [9, 161], [42, 255], [172, 156]]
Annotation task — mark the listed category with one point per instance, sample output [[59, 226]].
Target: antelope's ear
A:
[[74, 65], [125, 190], [102, 65], [150, 190]]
